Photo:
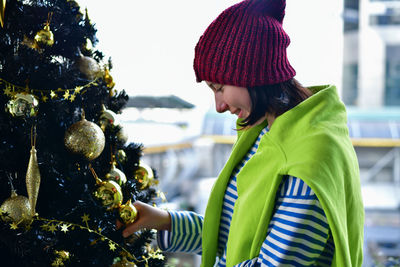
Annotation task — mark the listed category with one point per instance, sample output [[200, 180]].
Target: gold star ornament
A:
[[53, 94], [111, 246], [45, 98], [66, 95], [14, 226], [52, 228], [85, 218], [64, 228], [7, 91], [78, 89], [72, 98]]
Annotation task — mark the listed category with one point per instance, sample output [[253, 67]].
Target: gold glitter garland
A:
[[66, 94], [52, 225]]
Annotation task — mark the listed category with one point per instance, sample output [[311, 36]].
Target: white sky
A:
[[151, 42]]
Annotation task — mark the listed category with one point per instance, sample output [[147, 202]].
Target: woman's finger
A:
[[129, 230], [118, 224]]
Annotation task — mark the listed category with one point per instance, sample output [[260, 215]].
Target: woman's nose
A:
[[220, 105]]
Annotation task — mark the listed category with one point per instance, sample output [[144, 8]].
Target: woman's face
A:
[[231, 98]]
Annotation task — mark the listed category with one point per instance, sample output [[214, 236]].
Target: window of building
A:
[[379, 20], [350, 88], [392, 79], [350, 15]]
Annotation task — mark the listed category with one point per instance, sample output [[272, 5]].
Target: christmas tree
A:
[[67, 172]]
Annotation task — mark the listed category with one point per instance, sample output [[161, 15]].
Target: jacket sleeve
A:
[[298, 233], [185, 234]]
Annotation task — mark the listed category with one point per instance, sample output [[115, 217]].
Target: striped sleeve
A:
[[298, 233], [185, 234]]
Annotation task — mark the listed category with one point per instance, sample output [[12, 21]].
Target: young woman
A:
[[289, 195]]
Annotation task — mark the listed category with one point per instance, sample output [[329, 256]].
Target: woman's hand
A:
[[148, 217]]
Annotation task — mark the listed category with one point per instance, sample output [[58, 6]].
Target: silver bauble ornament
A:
[[107, 118], [23, 105], [116, 175]]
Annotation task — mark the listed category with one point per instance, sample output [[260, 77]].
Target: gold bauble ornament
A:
[[2, 9], [61, 257], [18, 209], [44, 37], [23, 105], [108, 79], [107, 118], [144, 174], [128, 212], [116, 175], [33, 180], [89, 67], [85, 138], [110, 194], [62, 254]]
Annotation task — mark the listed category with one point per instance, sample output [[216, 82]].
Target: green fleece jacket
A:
[[310, 141]]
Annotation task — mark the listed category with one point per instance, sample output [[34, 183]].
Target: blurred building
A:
[[371, 56]]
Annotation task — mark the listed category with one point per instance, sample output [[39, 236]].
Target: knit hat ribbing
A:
[[245, 46]]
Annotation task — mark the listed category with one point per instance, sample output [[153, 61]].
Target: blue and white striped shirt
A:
[[298, 234]]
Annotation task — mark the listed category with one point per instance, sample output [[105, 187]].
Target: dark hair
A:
[[275, 99]]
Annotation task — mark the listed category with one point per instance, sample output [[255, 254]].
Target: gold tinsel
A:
[[12, 90]]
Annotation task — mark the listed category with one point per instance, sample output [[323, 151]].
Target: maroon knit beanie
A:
[[245, 46]]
